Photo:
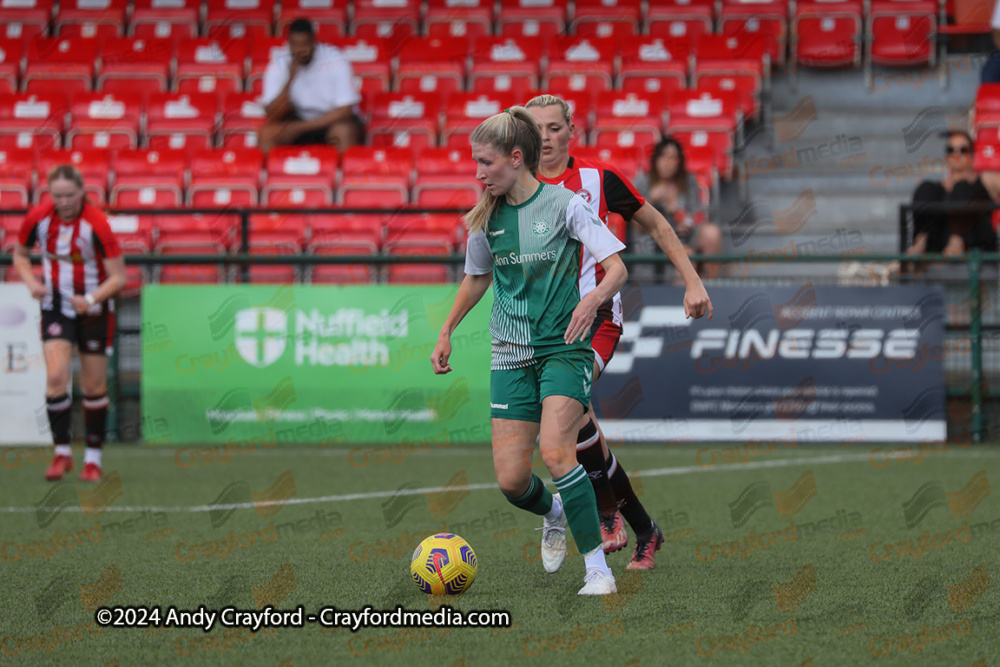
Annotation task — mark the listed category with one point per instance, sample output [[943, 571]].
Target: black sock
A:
[[59, 418], [95, 413], [631, 508], [588, 453]]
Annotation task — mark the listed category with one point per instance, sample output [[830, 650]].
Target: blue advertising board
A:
[[813, 363]]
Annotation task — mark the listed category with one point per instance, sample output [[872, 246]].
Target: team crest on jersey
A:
[[540, 227], [583, 192], [55, 329], [93, 345]]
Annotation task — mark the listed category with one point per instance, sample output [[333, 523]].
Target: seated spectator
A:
[[673, 191], [309, 95], [991, 68], [952, 232]]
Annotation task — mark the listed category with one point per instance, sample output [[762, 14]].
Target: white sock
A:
[[595, 561], [557, 508], [64, 450], [92, 455]]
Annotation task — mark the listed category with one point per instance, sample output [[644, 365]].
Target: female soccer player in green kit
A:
[[526, 237]]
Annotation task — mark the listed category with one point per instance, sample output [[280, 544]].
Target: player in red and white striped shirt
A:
[[607, 191], [83, 269]]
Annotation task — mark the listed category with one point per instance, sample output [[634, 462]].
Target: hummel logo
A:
[[499, 406], [498, 232]]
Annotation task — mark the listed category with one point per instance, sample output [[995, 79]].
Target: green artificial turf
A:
[[353, 516]]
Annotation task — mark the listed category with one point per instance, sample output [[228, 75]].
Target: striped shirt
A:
[[607, 191], [72, 253], [533, 250]]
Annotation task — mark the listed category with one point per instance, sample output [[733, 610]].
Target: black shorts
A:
[[93, 334], [318, 137]]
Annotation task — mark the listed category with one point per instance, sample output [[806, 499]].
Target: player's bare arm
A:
[[471, 290], [22, 262], [696, 301], [615, 275], [111, 286]]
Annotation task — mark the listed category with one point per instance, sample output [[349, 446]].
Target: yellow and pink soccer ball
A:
[[444, 564]]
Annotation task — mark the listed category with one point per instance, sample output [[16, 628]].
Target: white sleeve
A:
[[995, 22], [339, 84], [275, 78], [478, 258], [590, 230]]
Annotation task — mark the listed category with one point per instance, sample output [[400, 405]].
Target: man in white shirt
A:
[[309, 94]]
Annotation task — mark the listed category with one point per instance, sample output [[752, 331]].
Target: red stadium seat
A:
[[104, 121], [149, 179], [130, 65], [27, 19], [505, 65], [164, 19], [436, 229], [261, 52], [627, 159], [432, 65], [405, 120], [134, 234], [627, 119], [466, 111], [65, 65], [187, 274], [11, 55], [91, 19], [654, 66], [713, 148], [242, 116], [344, 235], [446, 178], [208, 65], [302, 176], [827, 33], [418, 246], [370, 63], [94, 165], [986, 109], [680, 20], [397, 21], [273, 234], [581, 64], [32, 120], [620, 19], [216, 231], [531, 18], [225, 178], [734, 64], [329, 17], [375, 177], [716, 111], [176, 120], [901, 33], [470, 19], [766, 20], [16, 166], [239, 19]]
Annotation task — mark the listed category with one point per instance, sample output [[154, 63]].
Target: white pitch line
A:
[[659, 472]]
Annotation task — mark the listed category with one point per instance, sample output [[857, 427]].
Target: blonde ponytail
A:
[[513, 128]]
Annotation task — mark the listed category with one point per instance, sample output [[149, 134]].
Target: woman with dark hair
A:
[[83, 269], [953, 232], [672, 190]]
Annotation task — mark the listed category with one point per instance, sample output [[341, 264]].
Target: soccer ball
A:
[[444, 564]]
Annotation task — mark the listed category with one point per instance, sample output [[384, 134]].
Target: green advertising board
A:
[[291, 363]]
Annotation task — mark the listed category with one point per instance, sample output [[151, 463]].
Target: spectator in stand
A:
[[673, 191], [309, 95], [991, 68], [952, 232]]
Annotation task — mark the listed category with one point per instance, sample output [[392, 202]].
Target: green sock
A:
[[580, 504], [537, 499]]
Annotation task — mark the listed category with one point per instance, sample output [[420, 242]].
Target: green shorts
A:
[[517, 394]]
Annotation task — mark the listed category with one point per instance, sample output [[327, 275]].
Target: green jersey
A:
[[534, 252]]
